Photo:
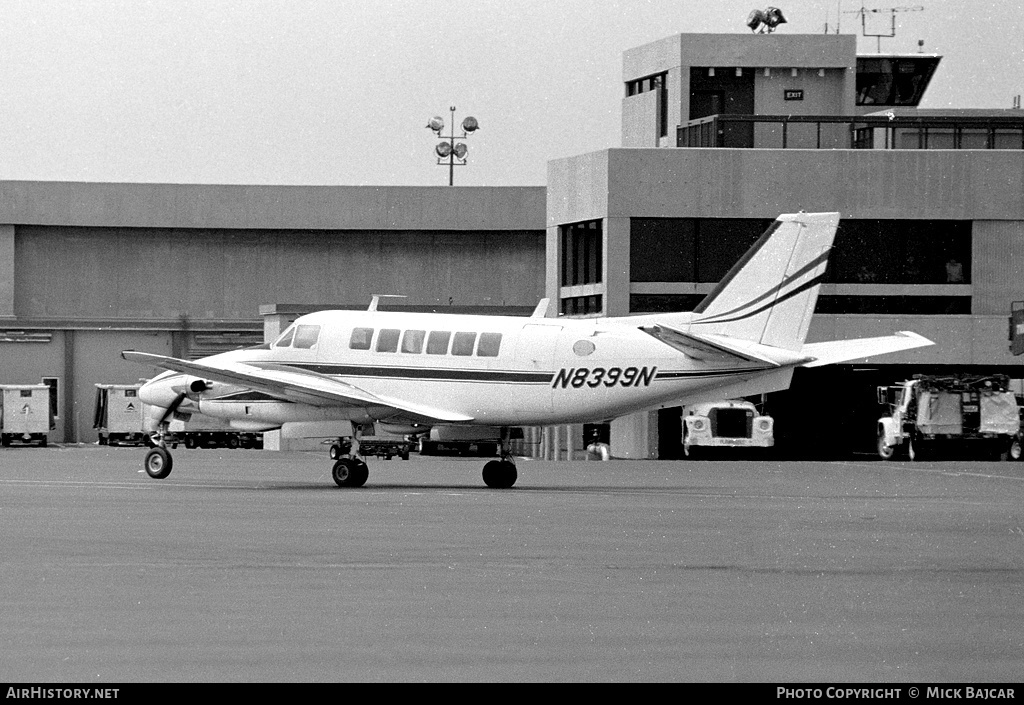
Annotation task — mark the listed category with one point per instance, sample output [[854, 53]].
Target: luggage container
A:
[[27, 416], [119, 417]]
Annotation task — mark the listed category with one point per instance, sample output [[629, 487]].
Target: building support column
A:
[[6, 271]]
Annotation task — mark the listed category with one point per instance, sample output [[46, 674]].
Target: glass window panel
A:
[[306, 336], [463, 343], [387, 341], [490, 345], [361, 338], [412, 341], [285, 339], [437, 342]]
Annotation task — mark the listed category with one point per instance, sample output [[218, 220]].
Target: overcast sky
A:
[[340, 91]]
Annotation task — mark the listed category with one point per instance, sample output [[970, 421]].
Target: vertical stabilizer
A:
[[769, 296]]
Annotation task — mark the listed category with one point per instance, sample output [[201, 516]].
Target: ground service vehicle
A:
[[119, 416], [960, 413], [733, 423], [27, 414]]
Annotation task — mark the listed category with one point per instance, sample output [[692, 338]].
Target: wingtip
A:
[[916, 336]]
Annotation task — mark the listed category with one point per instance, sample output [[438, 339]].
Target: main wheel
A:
[[1015, 451], [158, 463], [350, 472], [885, 451], [500, 474]]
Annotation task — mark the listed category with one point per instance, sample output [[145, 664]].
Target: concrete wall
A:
[[640, 120], [271, 207], [167, 275]]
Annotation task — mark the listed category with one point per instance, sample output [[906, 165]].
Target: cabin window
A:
[[412, 341], [387, 341], [286, 338], [463, 343], [360, 339], [437, 342], [490, 345], [306, 337], [130, 393]]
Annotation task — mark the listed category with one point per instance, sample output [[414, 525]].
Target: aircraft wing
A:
[[291, 384], [859, 348]]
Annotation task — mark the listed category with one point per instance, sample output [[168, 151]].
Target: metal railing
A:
[[853, 132]]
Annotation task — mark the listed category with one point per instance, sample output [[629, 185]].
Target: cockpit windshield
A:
[[285, 339], [303, 336]]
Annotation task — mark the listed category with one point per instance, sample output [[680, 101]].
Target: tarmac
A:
[[250, 566]]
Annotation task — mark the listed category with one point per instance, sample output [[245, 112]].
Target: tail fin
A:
[[769, 296]]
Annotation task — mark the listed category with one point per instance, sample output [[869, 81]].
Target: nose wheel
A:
[[158, 463], [502, 474]]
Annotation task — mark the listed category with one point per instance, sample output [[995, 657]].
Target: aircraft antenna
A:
[[375, 300], [864, 12]]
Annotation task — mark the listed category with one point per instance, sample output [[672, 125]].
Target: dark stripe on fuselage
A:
[[506, 377], [423, 373], [687, 374]]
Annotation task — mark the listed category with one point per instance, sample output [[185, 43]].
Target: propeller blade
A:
[[173, 407]]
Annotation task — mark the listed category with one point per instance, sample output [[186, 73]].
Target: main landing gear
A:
[[349, 468]]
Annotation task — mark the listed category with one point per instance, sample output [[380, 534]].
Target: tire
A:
[[885, 451], [232, 442], [1016, 450], [190, 442], [158, 463], [334, 452], [500, 474], [916, 449], [350, 472]]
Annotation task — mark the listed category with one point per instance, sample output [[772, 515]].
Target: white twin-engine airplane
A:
[[408, 372]]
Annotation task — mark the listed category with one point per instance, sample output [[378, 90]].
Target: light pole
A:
[[449, 151]]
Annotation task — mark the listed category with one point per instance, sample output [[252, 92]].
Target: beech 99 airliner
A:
[[408, 372]]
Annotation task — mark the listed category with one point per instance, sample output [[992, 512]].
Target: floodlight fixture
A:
[[449, 152], [765, 21]]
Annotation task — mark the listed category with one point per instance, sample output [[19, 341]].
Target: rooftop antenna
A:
[[839, 14], [863, 12]]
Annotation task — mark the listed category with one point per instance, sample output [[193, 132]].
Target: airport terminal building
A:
[[720, 134]]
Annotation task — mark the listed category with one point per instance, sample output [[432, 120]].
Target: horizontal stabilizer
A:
[[703, 348], [723, 349], [846, 350]]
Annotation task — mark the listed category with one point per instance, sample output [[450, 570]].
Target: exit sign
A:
[[793, 94]]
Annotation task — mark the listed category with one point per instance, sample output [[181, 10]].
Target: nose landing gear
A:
[[502, 474]]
